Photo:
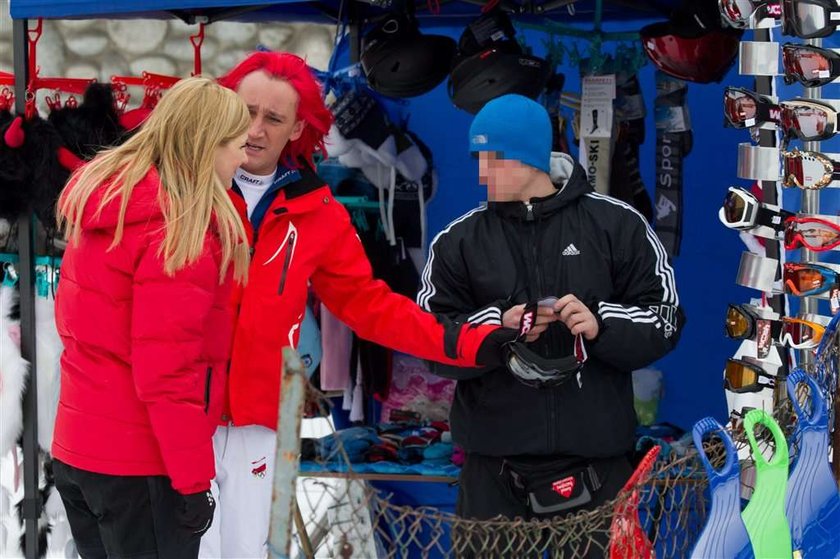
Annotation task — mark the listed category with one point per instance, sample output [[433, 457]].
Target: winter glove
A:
[[492, 351], [197, 513]]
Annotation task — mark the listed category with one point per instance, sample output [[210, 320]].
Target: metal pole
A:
[[31, 460], [810, 205], [287, 455], [767, 138]]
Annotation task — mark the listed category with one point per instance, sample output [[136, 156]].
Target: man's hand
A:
[[576, 316], [513, 316]]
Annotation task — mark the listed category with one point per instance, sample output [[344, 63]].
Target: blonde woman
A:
[[155, 246]]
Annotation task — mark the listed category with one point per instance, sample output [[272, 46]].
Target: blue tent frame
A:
[[350, 12]]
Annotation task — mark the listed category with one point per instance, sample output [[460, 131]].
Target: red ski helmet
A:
[[694, 44], [701, 58]]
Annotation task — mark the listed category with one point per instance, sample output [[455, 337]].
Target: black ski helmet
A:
[[491, 63], [399, 61], [491, 73]]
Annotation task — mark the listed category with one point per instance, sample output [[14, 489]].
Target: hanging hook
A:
[[32, 37], [197, 40]]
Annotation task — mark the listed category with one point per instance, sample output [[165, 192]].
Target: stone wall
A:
[[102, 48]]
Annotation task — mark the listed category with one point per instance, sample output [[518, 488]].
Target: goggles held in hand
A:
[[537, 371], [812, 233], [809, 170], [533, 369], [742, 376], [805, 279], [810, 66], [809, 19]]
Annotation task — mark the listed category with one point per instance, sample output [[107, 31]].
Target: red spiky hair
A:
[[311, 108]]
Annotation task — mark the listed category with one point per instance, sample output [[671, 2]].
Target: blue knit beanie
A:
[[515, 127]]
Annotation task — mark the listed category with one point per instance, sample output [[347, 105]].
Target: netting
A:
[[338, 513]]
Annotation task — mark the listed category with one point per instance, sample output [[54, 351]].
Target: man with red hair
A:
[[300, 236]]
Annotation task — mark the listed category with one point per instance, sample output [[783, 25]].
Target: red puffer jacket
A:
[[307, 237], [144, 364]]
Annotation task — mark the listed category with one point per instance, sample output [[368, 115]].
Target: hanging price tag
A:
[[834, 299], [763, 338]]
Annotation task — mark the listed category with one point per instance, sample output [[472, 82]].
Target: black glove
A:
[[492, 352], [197, 513]]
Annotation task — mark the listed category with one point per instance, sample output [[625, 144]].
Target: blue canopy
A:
[[302, 10]]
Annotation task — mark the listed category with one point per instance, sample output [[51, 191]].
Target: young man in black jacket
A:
[[546, 441]]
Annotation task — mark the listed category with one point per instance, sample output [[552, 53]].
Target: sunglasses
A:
[[809, 121], [744, 108], [810, 66], [742, 14], [806, 279], [809, 19], [809, 170], [741, 377], [741, 210], [812, 233]]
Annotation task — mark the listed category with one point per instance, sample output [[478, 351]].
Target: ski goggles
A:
[[800, 334], [805, 279], [810, 121], [809, 170], [741, 377], [812, 233], [742, 14], [744, 108], [741, 210], [809, 19], [537, 371], [810, 66], [742, 324]]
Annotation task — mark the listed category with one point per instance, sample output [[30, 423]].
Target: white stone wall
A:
[[102, 48]]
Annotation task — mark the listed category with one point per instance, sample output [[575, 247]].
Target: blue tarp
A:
[[290, 10]]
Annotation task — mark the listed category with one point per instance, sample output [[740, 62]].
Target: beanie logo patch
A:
[[479, 139]]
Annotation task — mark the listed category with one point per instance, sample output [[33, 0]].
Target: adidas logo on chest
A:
[[571, 250]]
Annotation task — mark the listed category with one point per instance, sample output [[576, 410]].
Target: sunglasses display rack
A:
[[788, 133]]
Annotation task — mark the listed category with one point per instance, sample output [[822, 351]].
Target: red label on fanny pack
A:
[[774, 10], [564, 487]]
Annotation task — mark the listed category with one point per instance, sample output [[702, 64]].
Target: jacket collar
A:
[[309, 181], [569, 178]]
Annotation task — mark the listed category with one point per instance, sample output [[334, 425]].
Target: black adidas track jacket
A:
[[577, 241]]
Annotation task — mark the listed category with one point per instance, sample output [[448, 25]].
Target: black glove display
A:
[[197, 512]]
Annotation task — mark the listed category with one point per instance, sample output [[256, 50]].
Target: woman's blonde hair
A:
[[179, 139]]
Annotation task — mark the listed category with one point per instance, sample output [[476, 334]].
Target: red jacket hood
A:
[[144, 204]]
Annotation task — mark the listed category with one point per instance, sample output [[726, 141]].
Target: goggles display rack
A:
[[760, 58]]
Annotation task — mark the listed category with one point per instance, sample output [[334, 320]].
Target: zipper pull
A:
[[529, 216]]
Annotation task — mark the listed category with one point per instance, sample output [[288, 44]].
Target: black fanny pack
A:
[[554, 486]]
